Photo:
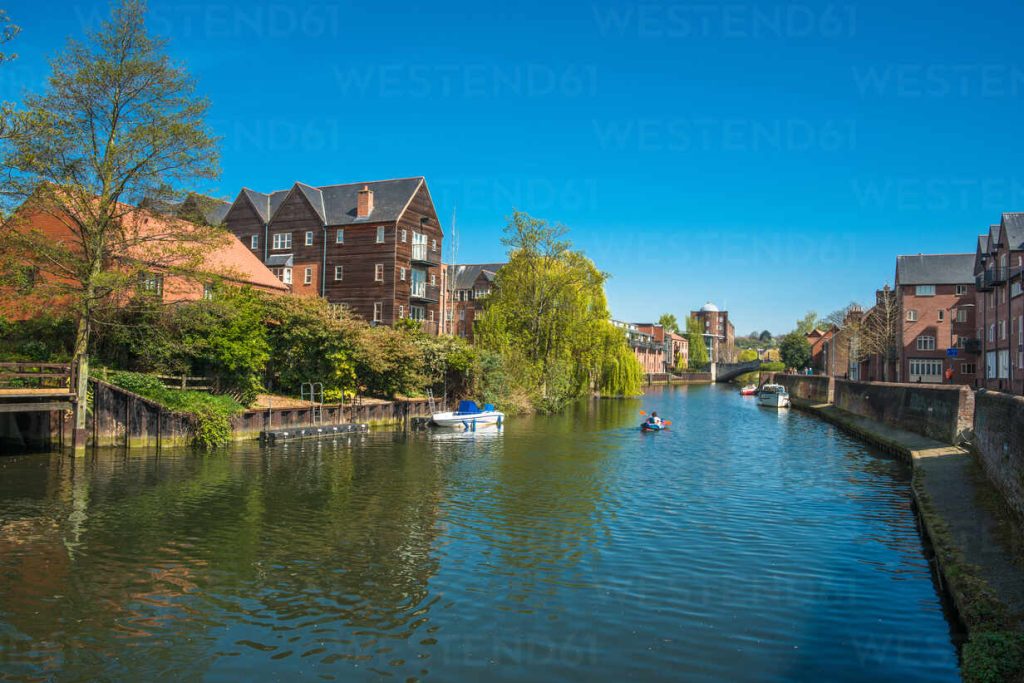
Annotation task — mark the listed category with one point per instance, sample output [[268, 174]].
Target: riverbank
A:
[[968, 523]]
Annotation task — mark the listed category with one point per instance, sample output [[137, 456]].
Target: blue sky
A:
[[771, 157]]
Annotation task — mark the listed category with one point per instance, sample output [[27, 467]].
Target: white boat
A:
[[469, 416], [773, 396]]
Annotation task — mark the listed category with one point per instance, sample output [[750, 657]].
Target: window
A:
[[309, 238], [942, 315], [401, 311], [401, 274], [339, 273], [339, 236], [990, 365], [992, 332], [925, 290], [282, 240], [1002, 329], [462, 314], [925, 343], [927, 369], [283, 274], [1004, 363], [307, 276], [378, 272], [254, 242], [433, 279], [208, 291], [431, 315], [378, 311], [968, 368], [433, 245], [961, 315], [1015, 289], [380, 234], [961, 290], [912, 315], [151, 283], [481, 292], [405, 236]]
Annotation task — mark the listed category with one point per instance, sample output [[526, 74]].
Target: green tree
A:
[[765, 336], [747, 355], [807, 323], [548, 318], [669, 322], [795, 350], [699, 358], [118, 123]]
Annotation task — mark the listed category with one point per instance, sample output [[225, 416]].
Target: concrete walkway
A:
[[955, 500]]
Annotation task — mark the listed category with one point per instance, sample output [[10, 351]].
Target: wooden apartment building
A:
[[372, 246]]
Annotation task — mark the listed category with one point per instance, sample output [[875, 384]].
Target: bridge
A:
[[727, 371]]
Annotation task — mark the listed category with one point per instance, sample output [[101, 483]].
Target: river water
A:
[[743, 544]]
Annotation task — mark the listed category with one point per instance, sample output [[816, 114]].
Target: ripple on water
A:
[[741, 545]]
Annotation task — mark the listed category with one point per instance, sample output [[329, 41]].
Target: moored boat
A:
[[469, 416], [773, 396], [749, 390]]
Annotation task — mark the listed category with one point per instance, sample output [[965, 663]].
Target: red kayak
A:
[[749, 390]]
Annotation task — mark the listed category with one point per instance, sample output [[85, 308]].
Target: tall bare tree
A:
[[880, 331]]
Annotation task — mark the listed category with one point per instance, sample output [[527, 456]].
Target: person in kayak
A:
[[654, 419]]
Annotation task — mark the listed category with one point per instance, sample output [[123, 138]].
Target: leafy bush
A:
[[44, 339], [212, 414], [994, 657]]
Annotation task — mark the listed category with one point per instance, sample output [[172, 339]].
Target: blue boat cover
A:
[[488, 407], [467, 408]]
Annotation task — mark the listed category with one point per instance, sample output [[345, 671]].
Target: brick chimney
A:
[[365, 206]]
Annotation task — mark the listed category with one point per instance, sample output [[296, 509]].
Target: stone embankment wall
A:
[[999, 441], [941, 412], [377, 414], [681, 378], [806, 389]]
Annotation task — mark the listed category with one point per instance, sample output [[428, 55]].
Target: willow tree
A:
[[118, 124], [548, 317]]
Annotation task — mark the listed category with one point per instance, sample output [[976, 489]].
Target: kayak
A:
[[648, 427]]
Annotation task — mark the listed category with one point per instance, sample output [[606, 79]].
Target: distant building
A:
[[675, 347], [936, 299], [648, 351], [834, 349], [999, 304], [719, 332], [465, 287]]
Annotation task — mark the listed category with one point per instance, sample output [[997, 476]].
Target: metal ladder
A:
[[314, 393], [430, 402]]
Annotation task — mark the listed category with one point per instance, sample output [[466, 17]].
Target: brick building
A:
[[228, 261], [719, 332], [465, 287], [675, 347], [648, 351], [372, 246], [998, 266], [936, 298], [833, 348]]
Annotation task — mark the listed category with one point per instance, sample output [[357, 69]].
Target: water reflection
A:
[[742, 544]]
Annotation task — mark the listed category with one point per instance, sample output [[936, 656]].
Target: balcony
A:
[[972, 346], [421, 291], [987, 281], [421, 255]]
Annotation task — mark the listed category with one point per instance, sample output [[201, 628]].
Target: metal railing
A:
[[422, 254]]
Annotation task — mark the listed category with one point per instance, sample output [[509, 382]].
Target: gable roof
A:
[[935, 269], [336, 204], [1013, 227], [982, 249], [466, 274]]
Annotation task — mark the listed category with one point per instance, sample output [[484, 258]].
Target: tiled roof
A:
[[935, 269], [466, 274], [336, 204], [1014, 226]]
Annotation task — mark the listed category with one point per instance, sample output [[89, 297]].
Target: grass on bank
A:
[[211, 413]]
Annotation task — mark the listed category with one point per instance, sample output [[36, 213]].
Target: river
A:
[[743, 544]]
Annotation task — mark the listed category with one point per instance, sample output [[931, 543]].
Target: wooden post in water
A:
[[81, 377]]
